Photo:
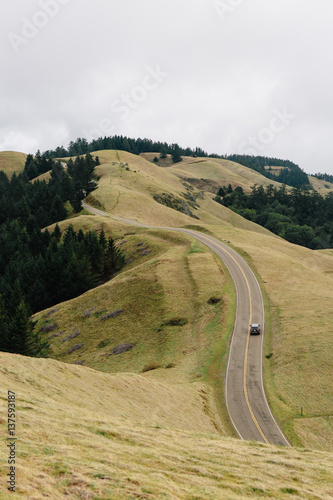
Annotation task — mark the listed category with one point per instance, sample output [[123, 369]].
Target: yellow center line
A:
[[247, 343]]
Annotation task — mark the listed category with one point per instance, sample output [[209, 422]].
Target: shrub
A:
[[214, 300], [176, 322]]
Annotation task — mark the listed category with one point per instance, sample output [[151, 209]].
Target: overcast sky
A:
[[229, 76]]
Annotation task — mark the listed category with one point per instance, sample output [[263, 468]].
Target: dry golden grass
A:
[[119, 435], [322, 187], [175, 280], [222, 172], [129, 194], [83, 434], [299, 286], [11, 161]]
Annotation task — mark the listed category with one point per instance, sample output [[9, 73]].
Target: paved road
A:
[[244, 390]]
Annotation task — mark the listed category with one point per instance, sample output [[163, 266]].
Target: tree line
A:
[[37, 268], [290, 173], [118, 142], [300, 216]]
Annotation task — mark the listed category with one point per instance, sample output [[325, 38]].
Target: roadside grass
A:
[[87, 434], [215, 370], [298, 374], [11, 161]]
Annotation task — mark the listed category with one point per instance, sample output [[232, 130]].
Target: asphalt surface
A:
[[244, 389]]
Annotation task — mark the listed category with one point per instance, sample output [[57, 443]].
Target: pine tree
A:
[[57, 233], [4, 326], [58, 211], [176, 155], [163, 154], [102, 240]]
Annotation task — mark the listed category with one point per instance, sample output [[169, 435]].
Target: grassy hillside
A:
[[212, 173], [130, 193], [151, 422], [83, 434], [11, 162], [323, 187], [220, 172], [298, 284], [299, 289], [164, 314]]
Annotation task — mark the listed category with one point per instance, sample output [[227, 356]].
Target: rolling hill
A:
[[11, 162], [150, 422], [293, 276], [86, 434]]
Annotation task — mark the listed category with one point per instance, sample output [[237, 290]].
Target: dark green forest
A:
[[298, 215], [122, 143], [37, 268], [291, 174]]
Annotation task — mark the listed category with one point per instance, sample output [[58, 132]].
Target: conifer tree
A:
[[176, 155]]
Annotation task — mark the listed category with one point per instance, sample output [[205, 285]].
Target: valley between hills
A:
[[149, 420]]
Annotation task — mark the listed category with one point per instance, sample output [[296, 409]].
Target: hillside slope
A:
[[298, 283], [128, 184], [129, 432], [11, 162], [220, 172], [85, 434], [323, 187]]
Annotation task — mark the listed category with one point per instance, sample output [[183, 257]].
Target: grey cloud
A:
[[230, 64]]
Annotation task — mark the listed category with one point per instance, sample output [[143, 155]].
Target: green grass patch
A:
[[103, 343], [196, 248]]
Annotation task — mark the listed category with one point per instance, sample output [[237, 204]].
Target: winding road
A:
[[245, 396]]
